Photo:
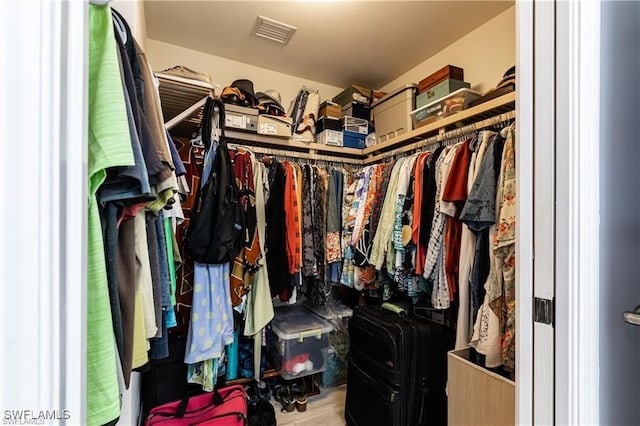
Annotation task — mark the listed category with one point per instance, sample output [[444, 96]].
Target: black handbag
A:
[[217, 220]]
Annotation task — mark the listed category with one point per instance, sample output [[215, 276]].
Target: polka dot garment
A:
[[211, 325]]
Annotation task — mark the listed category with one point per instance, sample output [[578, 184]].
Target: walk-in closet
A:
[[355, 213]]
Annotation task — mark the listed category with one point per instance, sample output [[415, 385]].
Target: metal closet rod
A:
[[451, 134], [295, 154]]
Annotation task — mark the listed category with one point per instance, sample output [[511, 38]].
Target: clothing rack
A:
[[295, 154], [439, 139]]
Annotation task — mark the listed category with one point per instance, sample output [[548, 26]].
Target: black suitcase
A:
[[165, 380], [397, 370]]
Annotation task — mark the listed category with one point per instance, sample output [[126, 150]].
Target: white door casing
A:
[[560, 153], [43, 185], [524, 229], [577, 184]]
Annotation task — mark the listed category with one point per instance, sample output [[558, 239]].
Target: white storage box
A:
[[298, 342], [330, 137], [241, 118], [274, 126], [443, 107], [391, 114], [355, 124]]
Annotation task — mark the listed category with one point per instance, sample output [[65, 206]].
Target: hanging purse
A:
[[217, 220]]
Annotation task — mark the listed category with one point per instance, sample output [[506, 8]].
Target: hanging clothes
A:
[[108, 133], [276, 250], [211, 322]]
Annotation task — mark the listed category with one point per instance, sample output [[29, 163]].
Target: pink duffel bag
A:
[[226, 406]]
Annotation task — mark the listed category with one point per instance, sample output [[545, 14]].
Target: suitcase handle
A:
[[394, 308]]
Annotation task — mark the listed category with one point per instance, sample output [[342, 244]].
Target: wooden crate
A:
[[478, 396]]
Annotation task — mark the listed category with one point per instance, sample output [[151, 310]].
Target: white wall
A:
[[224, 71], [484, 54], [619, 213]]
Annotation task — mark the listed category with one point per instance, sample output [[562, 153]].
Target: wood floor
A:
[[326, 409]]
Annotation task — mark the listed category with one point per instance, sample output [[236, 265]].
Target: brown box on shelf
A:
[[445, 73], [330, 109], [376, 95]]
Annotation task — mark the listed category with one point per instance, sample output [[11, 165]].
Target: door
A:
[[619, 160]]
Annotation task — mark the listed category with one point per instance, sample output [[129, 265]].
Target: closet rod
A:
[[443, 137], [295, 154], [187, 113]]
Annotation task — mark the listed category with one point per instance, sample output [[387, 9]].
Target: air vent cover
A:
[[273, 30]]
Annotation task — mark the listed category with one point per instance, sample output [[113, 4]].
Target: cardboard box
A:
[[328, 123], [356, 109], [274, 125], [355, 124], [444, 73], [330, 137], [376, 95], [330, 109], [353, 93], [353, 139], [241, 118]]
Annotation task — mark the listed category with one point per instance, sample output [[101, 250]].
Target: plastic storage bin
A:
[[298, 342], [444, 107], [337, 356], [439, 91], [391, 113]]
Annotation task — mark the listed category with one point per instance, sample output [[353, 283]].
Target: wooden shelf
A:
[[179, 94], [291, 144], [490, 108]]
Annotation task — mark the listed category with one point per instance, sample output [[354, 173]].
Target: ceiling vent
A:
[[273, 30]]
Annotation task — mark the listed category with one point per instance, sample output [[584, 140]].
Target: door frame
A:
[[524, 230], [577, 212], [43, 182], [558, 122]]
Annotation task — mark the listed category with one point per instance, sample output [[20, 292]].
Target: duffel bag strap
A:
[[184, 403]]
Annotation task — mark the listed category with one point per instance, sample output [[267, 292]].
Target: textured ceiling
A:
[[333, 39]]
